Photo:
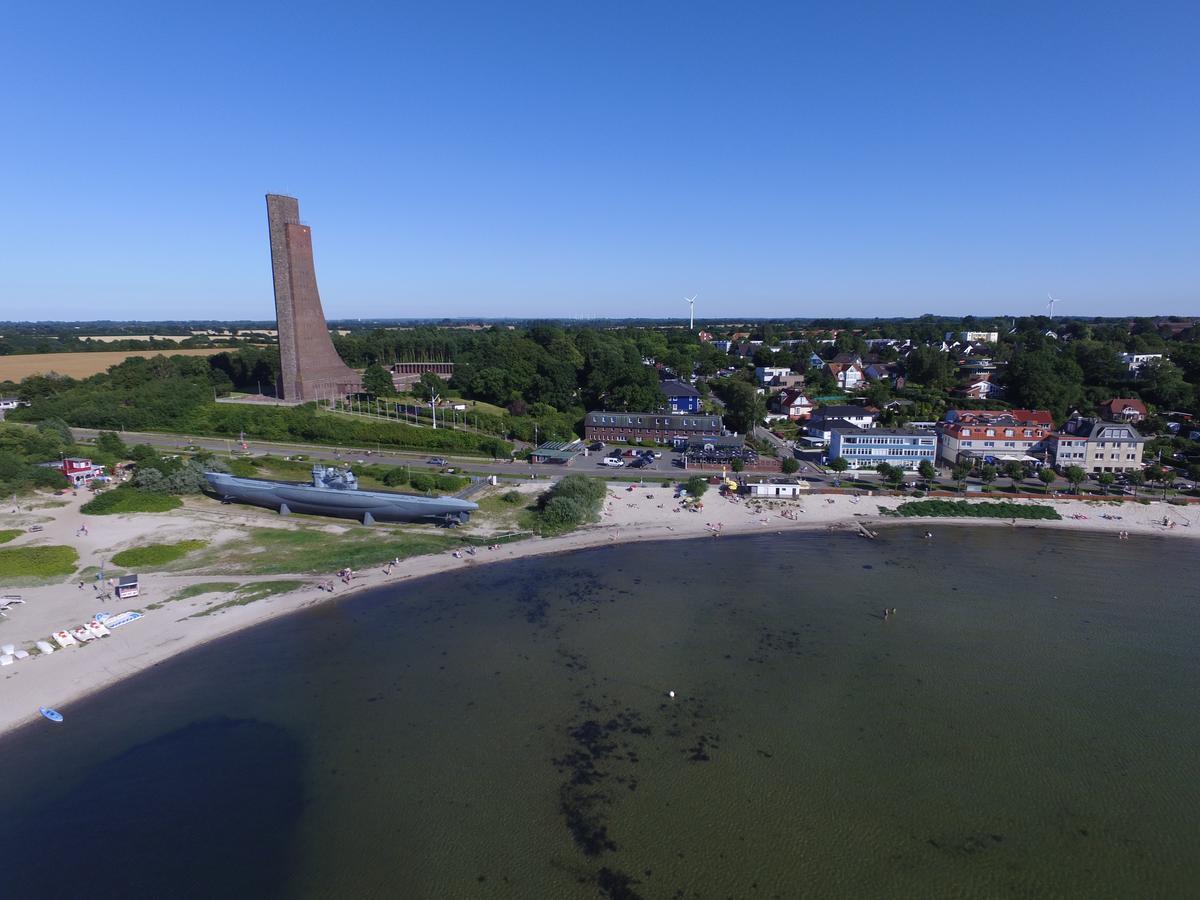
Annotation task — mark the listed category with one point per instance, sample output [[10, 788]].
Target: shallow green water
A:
[[1025, 725]]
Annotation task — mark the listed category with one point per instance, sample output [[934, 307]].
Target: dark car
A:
[[437, 460]]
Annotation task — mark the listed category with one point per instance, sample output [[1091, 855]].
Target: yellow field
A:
[[80, 365]]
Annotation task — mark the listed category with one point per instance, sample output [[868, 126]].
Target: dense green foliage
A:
[[154, 555], [21, 451], [575, 500], [128, 499], [696, 486], [37, 562], [965, 509]]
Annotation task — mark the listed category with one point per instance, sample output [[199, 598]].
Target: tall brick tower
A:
[[310, 366]]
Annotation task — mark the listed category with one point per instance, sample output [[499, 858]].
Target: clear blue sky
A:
[[603, 159]]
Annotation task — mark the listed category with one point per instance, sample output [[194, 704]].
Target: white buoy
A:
[[671, 694]]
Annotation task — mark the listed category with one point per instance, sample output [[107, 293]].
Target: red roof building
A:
[[1122, 410]]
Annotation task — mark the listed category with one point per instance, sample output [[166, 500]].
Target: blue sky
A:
[[603, 159]]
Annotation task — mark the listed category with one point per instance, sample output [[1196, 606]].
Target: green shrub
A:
[[153, 555], [696, 486], [513, 497], [791, 465], [396, 476], [450, 482], [127, 499], [966, 509], [52, 479], [419, 481], [575, 500]]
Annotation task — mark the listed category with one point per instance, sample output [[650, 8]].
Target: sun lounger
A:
[[7, 649], [6, 660], [21, 654], [63, 639], [82, 634], [45, 648]]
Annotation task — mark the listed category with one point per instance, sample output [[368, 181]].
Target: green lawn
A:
[[129, 500], [38, 562], [9, 534], [155, 555]]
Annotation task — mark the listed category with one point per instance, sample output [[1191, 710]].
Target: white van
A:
[[614, 462]]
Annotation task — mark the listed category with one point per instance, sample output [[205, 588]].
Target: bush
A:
[[791, 465], [419, 481], [737, 465], [513, 497], [450, 482], [52, 479], [395, 476], [966, 509], [575, 500], [696, 486], [127, 499]]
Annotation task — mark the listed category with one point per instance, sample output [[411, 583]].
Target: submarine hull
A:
[[382, 506]]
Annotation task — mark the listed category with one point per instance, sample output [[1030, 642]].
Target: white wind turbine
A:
[[1050, 305], [691, 302]]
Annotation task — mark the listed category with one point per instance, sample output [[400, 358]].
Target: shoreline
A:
[[627, 518]]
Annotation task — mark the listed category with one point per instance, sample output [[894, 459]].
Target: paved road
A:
[[589, 465], [666, 467]]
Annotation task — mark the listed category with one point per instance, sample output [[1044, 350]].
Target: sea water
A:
[[1025, 724]]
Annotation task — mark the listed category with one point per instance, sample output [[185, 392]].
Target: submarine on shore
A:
[[334, 492]]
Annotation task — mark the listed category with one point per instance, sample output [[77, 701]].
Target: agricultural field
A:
[[83, 365]]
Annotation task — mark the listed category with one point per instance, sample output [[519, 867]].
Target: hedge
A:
[[967, 510]]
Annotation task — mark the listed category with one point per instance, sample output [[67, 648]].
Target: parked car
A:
[[613, 462]]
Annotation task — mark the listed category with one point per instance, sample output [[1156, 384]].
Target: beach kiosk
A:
[[127, 586]]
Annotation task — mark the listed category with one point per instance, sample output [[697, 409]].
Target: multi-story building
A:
[[973, 337], [1135, 361], [993, 435], [652, 427], [1097, 446], [681, 397], [793, 403], [1122, 410], [770, 375], [847, 370], [862, 448]]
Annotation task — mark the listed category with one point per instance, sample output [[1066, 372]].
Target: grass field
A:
[[127, 499], [9, 534], [155, 555], [37, 562], [82, 365]]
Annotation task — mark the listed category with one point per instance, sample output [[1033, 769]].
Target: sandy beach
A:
[[631, 513]]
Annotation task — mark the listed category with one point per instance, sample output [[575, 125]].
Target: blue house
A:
[[866, 447], [681, 397]]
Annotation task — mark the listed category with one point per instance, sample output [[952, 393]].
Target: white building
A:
[[778, 490], [973, 337], [1135, 361]]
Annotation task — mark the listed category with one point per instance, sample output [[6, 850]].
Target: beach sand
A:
[[642, 513]]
